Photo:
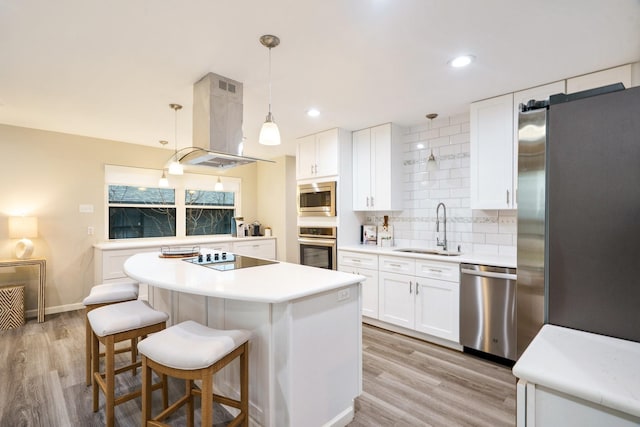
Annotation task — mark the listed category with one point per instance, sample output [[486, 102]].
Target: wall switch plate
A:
[[343, 294], [86, 208], [90, 231]]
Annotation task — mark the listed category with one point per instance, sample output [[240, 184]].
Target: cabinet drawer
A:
[[393, 264], [449, 271], [359, 260]]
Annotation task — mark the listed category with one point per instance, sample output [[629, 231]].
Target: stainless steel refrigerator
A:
[[579, 214]]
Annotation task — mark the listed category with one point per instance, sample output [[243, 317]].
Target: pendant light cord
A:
[[175, 136], [269, 81]]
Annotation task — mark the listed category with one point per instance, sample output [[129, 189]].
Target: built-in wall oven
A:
[[317, 199], [318, 247]]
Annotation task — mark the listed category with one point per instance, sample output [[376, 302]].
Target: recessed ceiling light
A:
[[462, 61], [312, 112]]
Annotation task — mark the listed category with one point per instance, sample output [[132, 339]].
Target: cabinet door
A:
[[538, 93], [256, 248], [327, 153], [492, 153], [381, 167], [437, 311], [362, 170], [369, 289], [306, 157], [396, 299]]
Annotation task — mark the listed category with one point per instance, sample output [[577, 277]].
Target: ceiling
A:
[[109, 69]]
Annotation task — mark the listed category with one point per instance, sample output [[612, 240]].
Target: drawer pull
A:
[[396, 265], [417, 288], [435, 270], [356, 260], [410, 286]]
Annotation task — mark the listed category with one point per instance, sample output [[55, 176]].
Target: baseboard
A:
[[343, 418], [53, 310]]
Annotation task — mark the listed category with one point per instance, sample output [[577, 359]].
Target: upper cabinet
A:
[[492, 153], [317, 155], [620, 74], [377, 169], [494, 146]]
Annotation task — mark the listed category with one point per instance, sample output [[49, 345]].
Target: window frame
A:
[[141, 177]]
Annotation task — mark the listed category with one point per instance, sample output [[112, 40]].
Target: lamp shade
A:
[[269, 134], [21, 227]]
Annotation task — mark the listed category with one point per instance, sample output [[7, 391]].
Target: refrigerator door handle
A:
[[489, 274]]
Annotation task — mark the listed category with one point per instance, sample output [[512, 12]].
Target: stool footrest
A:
[[171, 409]]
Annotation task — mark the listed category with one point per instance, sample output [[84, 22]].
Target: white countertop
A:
[[593, 367], [272, 283], [172, 241], [471, 258]]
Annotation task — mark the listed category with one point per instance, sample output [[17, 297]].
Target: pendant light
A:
[[218, 186], [269, 134], [431, 161], [163, 181], [175, 168]]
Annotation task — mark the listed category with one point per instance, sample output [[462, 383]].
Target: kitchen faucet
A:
[[444, 242]]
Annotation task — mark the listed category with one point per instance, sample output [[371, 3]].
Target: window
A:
[[136, 212], [138, 208], [209, 212]]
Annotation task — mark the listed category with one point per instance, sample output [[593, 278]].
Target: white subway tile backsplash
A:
[[490, 232]]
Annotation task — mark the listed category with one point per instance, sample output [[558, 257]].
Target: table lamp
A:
[[23, 228]]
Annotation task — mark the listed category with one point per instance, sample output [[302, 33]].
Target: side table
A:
[[42, 264]]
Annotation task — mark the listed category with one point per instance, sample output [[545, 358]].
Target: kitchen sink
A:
[[428, 251]]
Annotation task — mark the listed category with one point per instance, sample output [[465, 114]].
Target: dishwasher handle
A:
[[489, 274]]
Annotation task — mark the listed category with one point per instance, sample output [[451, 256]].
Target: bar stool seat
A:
[[99, 296], [192, 351], [114, 323]]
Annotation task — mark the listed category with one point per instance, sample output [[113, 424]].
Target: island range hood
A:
[[217, 124]]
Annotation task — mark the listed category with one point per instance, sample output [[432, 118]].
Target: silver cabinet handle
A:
[[410, 286], [507, 197], [356, 260], [417, 288], [367, 201], [372, 201], [395, 265], [435, 270], [311, 169], [316, 168]]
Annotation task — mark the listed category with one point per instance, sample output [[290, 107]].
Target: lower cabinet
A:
[[256, 248], [416, 294], [438, 299], [365, 265], [397, 299]]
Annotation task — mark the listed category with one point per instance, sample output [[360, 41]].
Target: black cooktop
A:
[[224, 261]]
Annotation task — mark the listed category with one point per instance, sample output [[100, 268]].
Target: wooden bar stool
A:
[[101, 295], [112, 324], [191, 351]]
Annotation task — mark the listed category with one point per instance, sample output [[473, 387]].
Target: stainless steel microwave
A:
[[317, 199]]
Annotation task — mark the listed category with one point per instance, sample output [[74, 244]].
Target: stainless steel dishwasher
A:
[[488, 309]]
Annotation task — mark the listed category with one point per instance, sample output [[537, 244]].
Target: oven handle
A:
[[315, 241]]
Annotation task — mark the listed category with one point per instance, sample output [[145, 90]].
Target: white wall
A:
[[475, 231]]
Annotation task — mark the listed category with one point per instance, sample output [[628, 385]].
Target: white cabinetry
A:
[[438, 299], [422, 295], [377, 169], [620, 74], [492, 153], [317, 155], [256, 248], [365, 265]]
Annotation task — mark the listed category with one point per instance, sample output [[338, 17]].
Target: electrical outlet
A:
[[90, 231], [343, 294]]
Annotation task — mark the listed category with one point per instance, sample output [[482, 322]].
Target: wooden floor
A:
[[407, 382]]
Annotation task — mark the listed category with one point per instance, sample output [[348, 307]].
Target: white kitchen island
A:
[[305, 364]]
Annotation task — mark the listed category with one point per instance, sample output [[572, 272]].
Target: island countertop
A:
[[273, 283]]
